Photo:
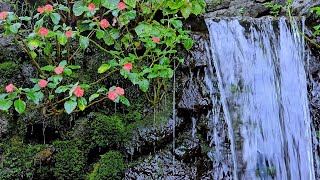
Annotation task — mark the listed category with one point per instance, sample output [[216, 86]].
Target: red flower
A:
[[43, 83], [91, 7], [155, 39], [3, 15], [112, 95], [58, 70], [78, 91], [119, 91], [9, 88], [43, 31], [48, 7], [127, 66], [122, 5], [104, 23], [69, 33]]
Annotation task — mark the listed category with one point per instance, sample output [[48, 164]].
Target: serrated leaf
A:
[[67, 71], [100, 33], [70, 106], [188, 43]]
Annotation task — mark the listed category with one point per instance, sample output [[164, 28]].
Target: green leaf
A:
[[124, 100], [70, 105], [15, 27], [110, 4], [38, 97], [99, 34], [63, 63], [48, 68], [74, 67], [51, 85], [62, 38], [55, 17], [131, 3], [5, 104], [93, 97], [61, 89], [176, 23], [152, 75], [188, 43], [25, 18], [78, 8], [186, 10], [115, 33], [144, 85], [103, 68], [196, 8], [84, 42], [82, 103], [102, 89], [175, 4], [19, 106], [67, 71], [108, 40], [33, 54]]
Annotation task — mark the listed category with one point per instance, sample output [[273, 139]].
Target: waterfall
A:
[[259, 64]]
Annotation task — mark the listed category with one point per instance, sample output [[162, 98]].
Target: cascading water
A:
[[262, 82]]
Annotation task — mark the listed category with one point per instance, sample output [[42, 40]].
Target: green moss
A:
[[107, 130], [8, 68], [110, 166], [69, 164], [20, 161]]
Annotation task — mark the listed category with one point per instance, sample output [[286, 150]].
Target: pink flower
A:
[[104, 23], [91, 7], [78, 91], [119, 91], [112, 95], [43, 31], [58, 70], [43, 83], [127, 66], [40, 10], [122, 5], [155, 39], [3, 15], [9, 88], [48, 7], [69, 33]]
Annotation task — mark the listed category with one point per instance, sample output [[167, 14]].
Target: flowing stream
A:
[[259, 64]]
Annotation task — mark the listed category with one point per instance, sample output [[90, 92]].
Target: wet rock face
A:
[[193, 93], [146, 139], [3, 125]]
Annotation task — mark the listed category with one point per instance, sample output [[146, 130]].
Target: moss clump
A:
[[110, 166], [8, 68], [107, 130], [69, 164], [19, 160]]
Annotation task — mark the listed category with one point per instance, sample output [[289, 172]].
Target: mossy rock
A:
[[110, 166], [8, 69], [107, 130]]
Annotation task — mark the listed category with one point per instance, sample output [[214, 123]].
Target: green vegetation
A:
[[110, 166], [275, 9]]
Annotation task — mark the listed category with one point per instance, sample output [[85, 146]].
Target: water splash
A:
[[260, 68]]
